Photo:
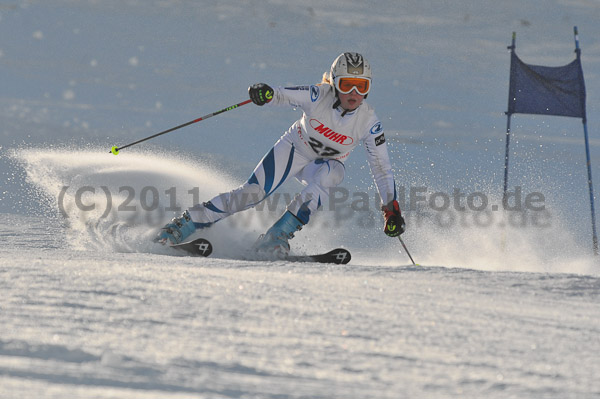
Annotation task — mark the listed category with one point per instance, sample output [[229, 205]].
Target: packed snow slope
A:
[[102, 324], [502, 303]]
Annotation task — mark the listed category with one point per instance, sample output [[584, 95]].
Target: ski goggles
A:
[[346, 84]]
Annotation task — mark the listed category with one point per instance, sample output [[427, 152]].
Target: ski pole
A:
[[408, 253], [115, 150]]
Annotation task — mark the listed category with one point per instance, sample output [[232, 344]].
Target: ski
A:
[[203, 247], [197, 247], [338, 256]]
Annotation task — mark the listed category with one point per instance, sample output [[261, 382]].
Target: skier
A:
[[335, 119]]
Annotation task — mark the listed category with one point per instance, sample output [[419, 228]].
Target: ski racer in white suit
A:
[[335, 120]]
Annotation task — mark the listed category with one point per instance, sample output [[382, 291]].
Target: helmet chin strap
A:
[[338, 102]]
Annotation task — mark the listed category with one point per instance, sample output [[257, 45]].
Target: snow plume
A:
[[117, 203], [534, 239], [531, 235]]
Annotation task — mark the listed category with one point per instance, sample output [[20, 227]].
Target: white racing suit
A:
[[313, 150]]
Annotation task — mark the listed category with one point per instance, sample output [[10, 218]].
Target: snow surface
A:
[[500, 307], [100, 324]]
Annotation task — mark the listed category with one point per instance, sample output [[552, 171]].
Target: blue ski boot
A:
[[275, 240], [178, 229]]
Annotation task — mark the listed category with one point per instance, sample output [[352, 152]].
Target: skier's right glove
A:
[[394, 222], [260, 93]]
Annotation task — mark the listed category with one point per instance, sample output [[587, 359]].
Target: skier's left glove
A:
[[394, 222], [260, 93]]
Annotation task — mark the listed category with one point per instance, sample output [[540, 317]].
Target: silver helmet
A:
[[351, 65]]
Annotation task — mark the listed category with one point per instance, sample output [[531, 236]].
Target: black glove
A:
[[260, 93], [394, 222]]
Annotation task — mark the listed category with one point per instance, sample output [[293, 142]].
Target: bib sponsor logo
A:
[[330, 134], [314, 93], [377, 128], [379, 140]]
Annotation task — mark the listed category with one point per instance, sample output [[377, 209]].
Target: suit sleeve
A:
[[379, 161], [296, 96]]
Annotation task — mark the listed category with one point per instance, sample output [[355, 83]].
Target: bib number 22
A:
[[321, 149]]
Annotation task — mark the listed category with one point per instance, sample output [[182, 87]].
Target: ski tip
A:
[[203, 247], [198, 247], [340, 256]]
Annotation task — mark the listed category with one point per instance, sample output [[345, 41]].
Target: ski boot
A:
[[178, 229], [275, 241]]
